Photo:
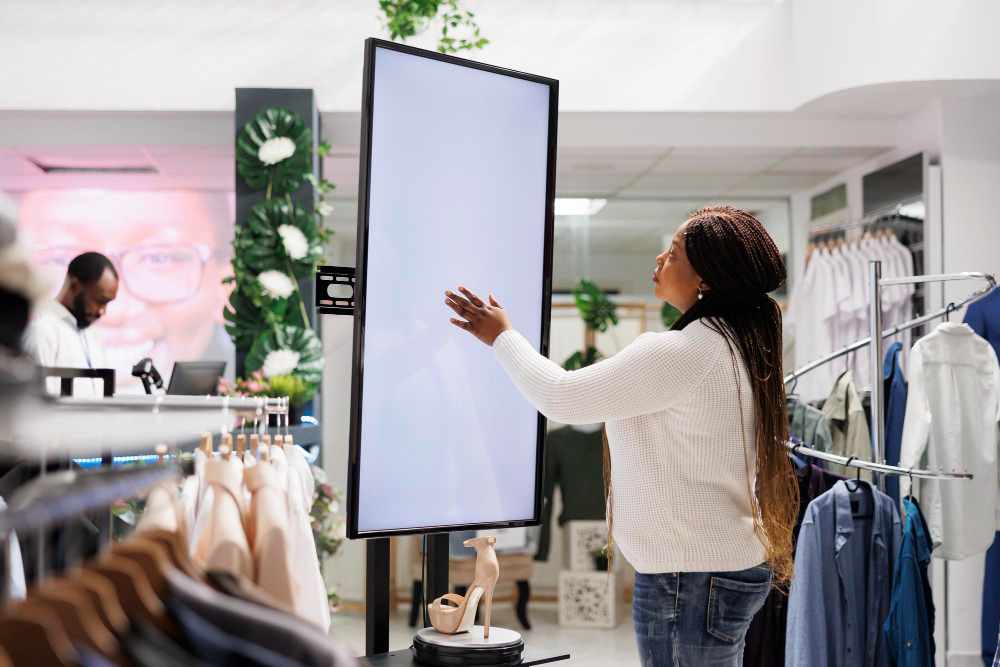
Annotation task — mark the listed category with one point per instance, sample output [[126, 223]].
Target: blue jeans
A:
[[696, 618]]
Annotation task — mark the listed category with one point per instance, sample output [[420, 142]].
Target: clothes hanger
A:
[[78, 617], [206, 443], [102, 596], [30, 636], [152, 557], [177, 549], [241, 439], [133, 590]]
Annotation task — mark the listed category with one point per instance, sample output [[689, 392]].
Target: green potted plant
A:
[[601, 560], [599, 313]]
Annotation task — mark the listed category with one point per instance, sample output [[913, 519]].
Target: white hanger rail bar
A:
[[885, 468]]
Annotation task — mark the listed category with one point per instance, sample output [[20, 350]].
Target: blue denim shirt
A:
[[842, 585], [910, 626], [892, 374]]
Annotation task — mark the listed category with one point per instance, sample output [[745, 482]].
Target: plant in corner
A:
[[599, 313], [278, 245]]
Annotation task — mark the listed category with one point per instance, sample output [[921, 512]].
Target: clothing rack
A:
[[875, 338], [53, 498], [884, 468]]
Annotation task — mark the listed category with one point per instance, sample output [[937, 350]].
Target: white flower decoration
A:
[[280, 362], [295, 242], [324, 209], [276, 284], [275, 150]]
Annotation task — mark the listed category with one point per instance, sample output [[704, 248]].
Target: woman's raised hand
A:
[[483, 320]]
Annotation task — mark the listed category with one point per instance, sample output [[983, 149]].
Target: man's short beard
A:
[[79, 311]]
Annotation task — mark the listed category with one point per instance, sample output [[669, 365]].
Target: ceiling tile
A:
[[684, 184], [782, 181], [714, 164], [732, 151]]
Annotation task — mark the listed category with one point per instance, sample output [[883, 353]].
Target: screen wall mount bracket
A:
[[332, 283]]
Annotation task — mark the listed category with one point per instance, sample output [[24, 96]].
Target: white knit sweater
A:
[[679, 469]]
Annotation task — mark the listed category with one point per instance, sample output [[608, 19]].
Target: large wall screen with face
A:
[[457, 188]]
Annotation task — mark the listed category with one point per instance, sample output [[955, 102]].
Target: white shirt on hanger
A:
[[952, 410]]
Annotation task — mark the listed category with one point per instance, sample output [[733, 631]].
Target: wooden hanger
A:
[[227, 441], [224, 452], [78, 617], [206, 443], [133, 590], [241, 445], [101, 596], [177, 549], [30, 636], [255, 444], [279, 441]]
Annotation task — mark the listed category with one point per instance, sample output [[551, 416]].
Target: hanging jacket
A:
[[910, 626], [835, 612], [895, 411], [848, 425]]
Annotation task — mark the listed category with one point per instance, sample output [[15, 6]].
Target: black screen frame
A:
[[357, 374]]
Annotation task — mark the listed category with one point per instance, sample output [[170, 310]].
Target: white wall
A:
[[807, 49], [970, 163]]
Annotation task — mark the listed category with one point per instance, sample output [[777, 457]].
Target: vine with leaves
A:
[[407, 18]]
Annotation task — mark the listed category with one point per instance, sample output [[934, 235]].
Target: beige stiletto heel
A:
[[459, 614]]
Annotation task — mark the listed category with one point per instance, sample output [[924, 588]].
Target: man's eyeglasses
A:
[[158, 273]]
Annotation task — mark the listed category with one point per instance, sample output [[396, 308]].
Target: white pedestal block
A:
[[590, 599], [580, 540]]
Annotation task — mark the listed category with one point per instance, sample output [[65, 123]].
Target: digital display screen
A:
[[457, 187]]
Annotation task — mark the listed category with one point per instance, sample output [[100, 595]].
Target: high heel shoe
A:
[[459, 614]]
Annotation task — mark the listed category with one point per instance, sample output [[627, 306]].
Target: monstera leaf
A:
[[260, 247], [286, 175], [243, 318], [296, 339], [598, 312]]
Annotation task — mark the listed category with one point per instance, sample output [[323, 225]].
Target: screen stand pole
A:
[[437, 569], [377, 596]]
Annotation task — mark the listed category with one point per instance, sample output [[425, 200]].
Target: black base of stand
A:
[[504, 648]]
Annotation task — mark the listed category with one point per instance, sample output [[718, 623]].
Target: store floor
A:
[[589, 647]]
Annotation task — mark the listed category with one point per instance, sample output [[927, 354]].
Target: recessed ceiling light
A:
[[570, 206]]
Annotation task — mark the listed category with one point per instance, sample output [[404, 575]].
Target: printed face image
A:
[[171, 250]]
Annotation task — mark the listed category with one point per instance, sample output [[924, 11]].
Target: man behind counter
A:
[[60, 334]]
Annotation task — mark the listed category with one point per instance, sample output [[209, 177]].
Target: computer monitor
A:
[[195, 378]]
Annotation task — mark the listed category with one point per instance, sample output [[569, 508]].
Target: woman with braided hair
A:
[[701, 496]]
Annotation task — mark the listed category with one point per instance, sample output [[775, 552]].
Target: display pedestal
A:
[[504, 647]]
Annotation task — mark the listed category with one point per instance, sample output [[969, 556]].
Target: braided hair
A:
[[739, 263]]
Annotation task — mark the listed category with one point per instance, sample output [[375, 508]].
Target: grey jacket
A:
[[835, 612]]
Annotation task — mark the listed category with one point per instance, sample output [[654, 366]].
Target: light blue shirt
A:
[[842, 586]]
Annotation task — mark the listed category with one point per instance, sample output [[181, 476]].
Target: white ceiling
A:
[[622, 55], [581, 171]]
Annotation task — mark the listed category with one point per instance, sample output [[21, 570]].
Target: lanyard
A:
[[86, 350]]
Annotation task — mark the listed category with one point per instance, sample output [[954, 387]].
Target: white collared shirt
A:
[[54, 339], [952, 410]]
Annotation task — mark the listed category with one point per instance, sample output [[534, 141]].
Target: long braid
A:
[[739, 262]]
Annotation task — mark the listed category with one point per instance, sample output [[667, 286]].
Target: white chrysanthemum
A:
[[276, 284], [280, 362], [324, 209], [295, 242], [275, 150]]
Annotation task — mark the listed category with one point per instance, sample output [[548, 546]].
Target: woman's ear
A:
[[703, 287]]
